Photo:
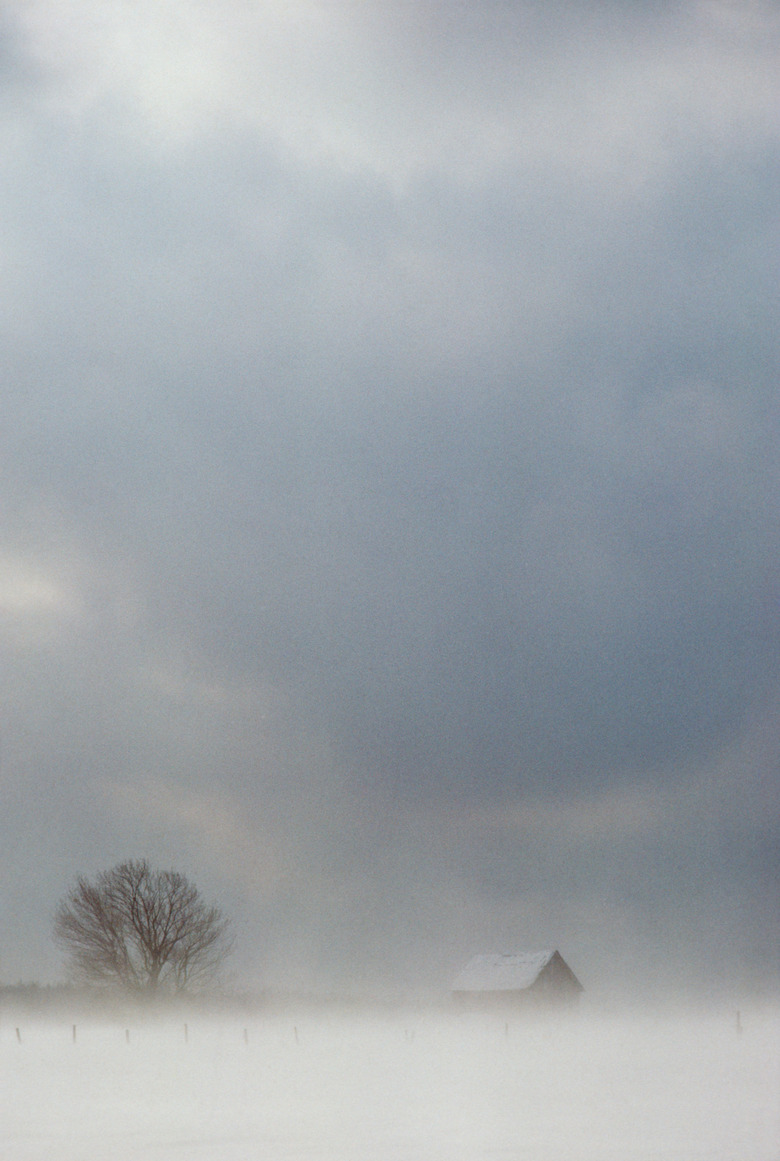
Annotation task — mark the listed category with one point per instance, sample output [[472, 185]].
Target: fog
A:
[[393, 1085]]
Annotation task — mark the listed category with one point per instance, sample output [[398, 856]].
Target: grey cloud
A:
[[364, 497]]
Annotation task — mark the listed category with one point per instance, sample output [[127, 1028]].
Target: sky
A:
[[389, 478]]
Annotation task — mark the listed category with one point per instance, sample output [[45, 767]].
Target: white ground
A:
[[411, 1087]]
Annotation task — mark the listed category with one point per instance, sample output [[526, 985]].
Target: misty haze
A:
[[395, 1085], [389, 579]]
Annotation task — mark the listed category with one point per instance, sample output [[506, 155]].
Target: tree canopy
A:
[[141, 930]]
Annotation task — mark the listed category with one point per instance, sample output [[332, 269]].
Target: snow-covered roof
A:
[[499, 973]]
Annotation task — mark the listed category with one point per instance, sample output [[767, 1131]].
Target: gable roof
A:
[[502, 973]]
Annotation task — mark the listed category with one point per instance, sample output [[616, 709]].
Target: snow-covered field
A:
[[417, 1086]]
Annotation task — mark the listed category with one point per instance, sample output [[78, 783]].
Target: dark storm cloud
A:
[[347, 497], [520, 578]]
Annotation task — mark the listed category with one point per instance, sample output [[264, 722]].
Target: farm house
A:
[[527, 978]]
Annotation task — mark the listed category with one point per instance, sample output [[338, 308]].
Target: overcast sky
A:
[[389, 474]]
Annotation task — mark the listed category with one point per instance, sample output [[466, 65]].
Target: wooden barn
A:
[[531, 978]]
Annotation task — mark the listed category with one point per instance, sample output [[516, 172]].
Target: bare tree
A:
[[141, 930]]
